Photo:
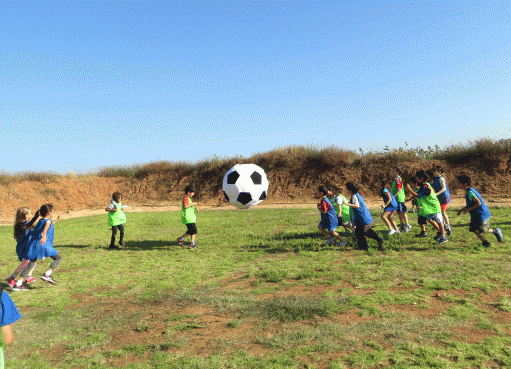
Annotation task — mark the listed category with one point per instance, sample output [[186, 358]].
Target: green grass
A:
[[155, 289]]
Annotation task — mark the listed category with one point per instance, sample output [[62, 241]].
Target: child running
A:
[[430, 205], [399, 192], [389, 208], [329, 221], [41, 245], [188, 217], [479, 212], [116, 220], [420, 211], [443, 194], [363, 218], [23, 236], [8, 315], [344, 212]]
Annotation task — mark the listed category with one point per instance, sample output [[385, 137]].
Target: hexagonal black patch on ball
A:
[[226, 197], [256, 178], [263, 196], [244, 198], [232, 177]]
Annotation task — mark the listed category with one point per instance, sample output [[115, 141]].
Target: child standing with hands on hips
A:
[[116, 219], [188, 217], [41, 245]]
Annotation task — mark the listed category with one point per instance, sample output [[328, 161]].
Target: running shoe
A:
[[23, 287], [408, 227], [11, 282], [486, 244], [391, 232], [180, 241], [30, 280], [442, 240], [498, 233], [448, 229], [49, 279], [380, 243], [194, 246], [421, 235], [438, 235]]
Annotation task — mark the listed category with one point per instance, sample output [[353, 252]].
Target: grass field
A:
[[263, 292]]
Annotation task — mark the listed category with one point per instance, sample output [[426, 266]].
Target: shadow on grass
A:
[[152, 245]]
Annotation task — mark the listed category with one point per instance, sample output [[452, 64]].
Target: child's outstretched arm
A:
[[58, 220]]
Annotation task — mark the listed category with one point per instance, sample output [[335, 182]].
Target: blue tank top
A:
[[362, 214], [38, 251], [481, 213], [393, 202], [329, 219], [444, 197], [23, 243]]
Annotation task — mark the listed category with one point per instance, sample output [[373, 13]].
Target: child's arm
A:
[[58, 220], [467, 209], [7, 335], [388, 201], [442, 190], [32, 221], [45, 229]]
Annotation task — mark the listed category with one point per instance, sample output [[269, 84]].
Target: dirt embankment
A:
[[81, 196]]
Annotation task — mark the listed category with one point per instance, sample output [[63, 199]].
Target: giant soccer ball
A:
[[245, 185]]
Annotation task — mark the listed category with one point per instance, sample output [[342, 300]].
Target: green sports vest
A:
[[188, 215], [117, 217], [400, 197], [430, 203], [345, 210], [420, 212]]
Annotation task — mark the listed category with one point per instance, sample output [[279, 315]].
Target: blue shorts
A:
[[401, 207], [390, 209]]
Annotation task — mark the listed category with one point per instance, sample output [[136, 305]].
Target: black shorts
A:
[[192, 228], [422, 220]]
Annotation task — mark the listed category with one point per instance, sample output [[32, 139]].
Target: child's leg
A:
[[337, 235], [372, 234], [361, 239], [121, 234], [446, 219], [114, 233], [24, 272], [184, 236], [193, 238], [392, 222], [56, 260], [434, 224], [322, 230], [20, 268], [423, 228], [384, 218], [32, 270]]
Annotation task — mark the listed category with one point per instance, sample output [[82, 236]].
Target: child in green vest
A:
[[188, 217], [344, 212], [116, 219], [398, 190], [420, 211]]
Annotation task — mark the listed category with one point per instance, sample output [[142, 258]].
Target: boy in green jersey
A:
[[188, 217], [116, 219], [344, 212]]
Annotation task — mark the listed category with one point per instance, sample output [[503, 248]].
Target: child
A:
[[479, 212], [8, 315], [329, 221], [188, 217], [430, 205], [389, 208], [443, 194], [116, 219], [41, 245], [363, 219], [22, 234], [343, 211], [399, 192], [420, 211]]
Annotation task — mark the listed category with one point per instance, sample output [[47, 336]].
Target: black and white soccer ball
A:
[[245, 185]]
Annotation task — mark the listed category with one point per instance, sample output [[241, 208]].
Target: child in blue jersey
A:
[[329, 221], [398, 190], [389, 208], [22, 234], [41, 245], [8, 315], [479, 212], [363, 218], [344, 213]]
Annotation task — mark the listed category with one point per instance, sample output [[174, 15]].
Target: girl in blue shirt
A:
[[389, 208]]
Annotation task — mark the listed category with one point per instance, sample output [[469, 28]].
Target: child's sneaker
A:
[[30, 280], [421, 235], [486, 244], [498, 233], [438, 235], [49, 279], [23, 287], [448, 229], [329, 241], [180, 241], [391, 232], [442, 240], [192, 246], [408, 227], [380, 243], [11, 282]]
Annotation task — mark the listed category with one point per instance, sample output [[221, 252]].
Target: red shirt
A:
[[324, 206], [186, 200]]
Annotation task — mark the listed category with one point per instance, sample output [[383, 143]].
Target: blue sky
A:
[[87, 84]]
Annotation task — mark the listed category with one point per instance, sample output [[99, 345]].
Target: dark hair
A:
[[383, 185], [45, 210], [464, 179], [352, 186], [323, 190], [116, 196], [438, 168], [189, 189], [421, 174], [413, 180], [429, 172]]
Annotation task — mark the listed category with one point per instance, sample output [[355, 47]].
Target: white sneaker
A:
[[408, 227], [391, 232]]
